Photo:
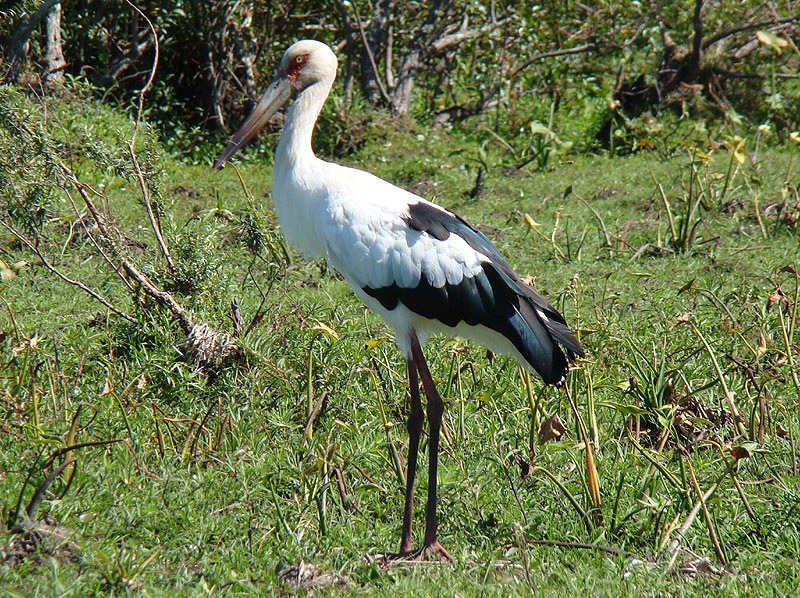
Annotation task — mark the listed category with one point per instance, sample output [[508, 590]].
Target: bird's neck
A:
[[294, 147]]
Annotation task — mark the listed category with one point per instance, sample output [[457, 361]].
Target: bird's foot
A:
[[437, 550], [431, 552]]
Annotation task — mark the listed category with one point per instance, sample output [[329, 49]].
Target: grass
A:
[[174, 483]]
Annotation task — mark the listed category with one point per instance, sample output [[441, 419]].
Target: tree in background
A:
[[448, 59]]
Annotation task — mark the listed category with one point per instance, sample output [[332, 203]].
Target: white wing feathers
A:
[[370, 243]]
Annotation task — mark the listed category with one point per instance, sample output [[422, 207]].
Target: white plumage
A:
[[419, 266]]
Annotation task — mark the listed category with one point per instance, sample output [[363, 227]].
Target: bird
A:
[[421, 267]]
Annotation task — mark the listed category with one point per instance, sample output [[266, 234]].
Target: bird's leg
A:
[[435, 408], [414, 426]]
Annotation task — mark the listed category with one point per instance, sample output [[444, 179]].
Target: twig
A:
[[161, 297], [462, 111], [729, 395], [347, 502], [64, 277], [39, 494], [97, 246], [600, 547], [67, 449], [706, 515], [675, 544], [746, 27], [551, 54], [586, 520], [318, 406], [787, 329], [194, 434], [453, 39], [162, 245]]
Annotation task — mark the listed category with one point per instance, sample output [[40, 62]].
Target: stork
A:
[[421, 267]]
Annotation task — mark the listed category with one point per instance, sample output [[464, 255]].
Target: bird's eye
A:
[[299, 59]]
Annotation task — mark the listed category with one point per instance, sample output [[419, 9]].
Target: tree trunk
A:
[[245, 50], [211, 78], [420, 46], [696, 57], [18, 47], [375, 36], [54, 62], [349, 51], [402, 93]]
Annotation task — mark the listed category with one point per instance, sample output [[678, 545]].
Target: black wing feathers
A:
[[494, 298]]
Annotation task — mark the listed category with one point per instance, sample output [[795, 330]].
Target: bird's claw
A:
[[431, 552], [435, 549]]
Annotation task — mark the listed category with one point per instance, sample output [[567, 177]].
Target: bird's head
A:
[[303, 64]]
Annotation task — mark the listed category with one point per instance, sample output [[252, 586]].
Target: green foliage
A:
[[29, 179], [183, 484], [611, 96], [196, 254]]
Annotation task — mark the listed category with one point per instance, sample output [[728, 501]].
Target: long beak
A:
[[277, 94]]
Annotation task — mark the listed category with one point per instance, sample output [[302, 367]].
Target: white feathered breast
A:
[[358, 223]]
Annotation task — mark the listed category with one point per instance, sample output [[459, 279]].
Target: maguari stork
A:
[[421, 267]]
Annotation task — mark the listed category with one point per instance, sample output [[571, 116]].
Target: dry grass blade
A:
[[387, 426], [706, 515], [73, 447], [586, 520], [729, 395], [675, 544], [592, 479], [787, 329]]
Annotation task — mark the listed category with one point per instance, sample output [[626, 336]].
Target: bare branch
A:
[[96, 244], [155, 225], [563, 52], [70, 281], [161, 297], [736, 75], [486, 100], [349, 50], [453, 39], [697, 40], [122, 63], [370, 56], [417, 52], [747, 27]]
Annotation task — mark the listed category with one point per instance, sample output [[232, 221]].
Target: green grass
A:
[[187, 485]]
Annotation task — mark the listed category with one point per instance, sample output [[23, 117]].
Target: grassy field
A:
[[140, 474]]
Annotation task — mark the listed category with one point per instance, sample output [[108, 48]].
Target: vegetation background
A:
[[186, 407]]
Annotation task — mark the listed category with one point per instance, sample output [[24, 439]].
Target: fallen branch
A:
[[581, 546], [204, 347]]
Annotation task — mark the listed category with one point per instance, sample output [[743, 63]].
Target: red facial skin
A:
[[294, 68]]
